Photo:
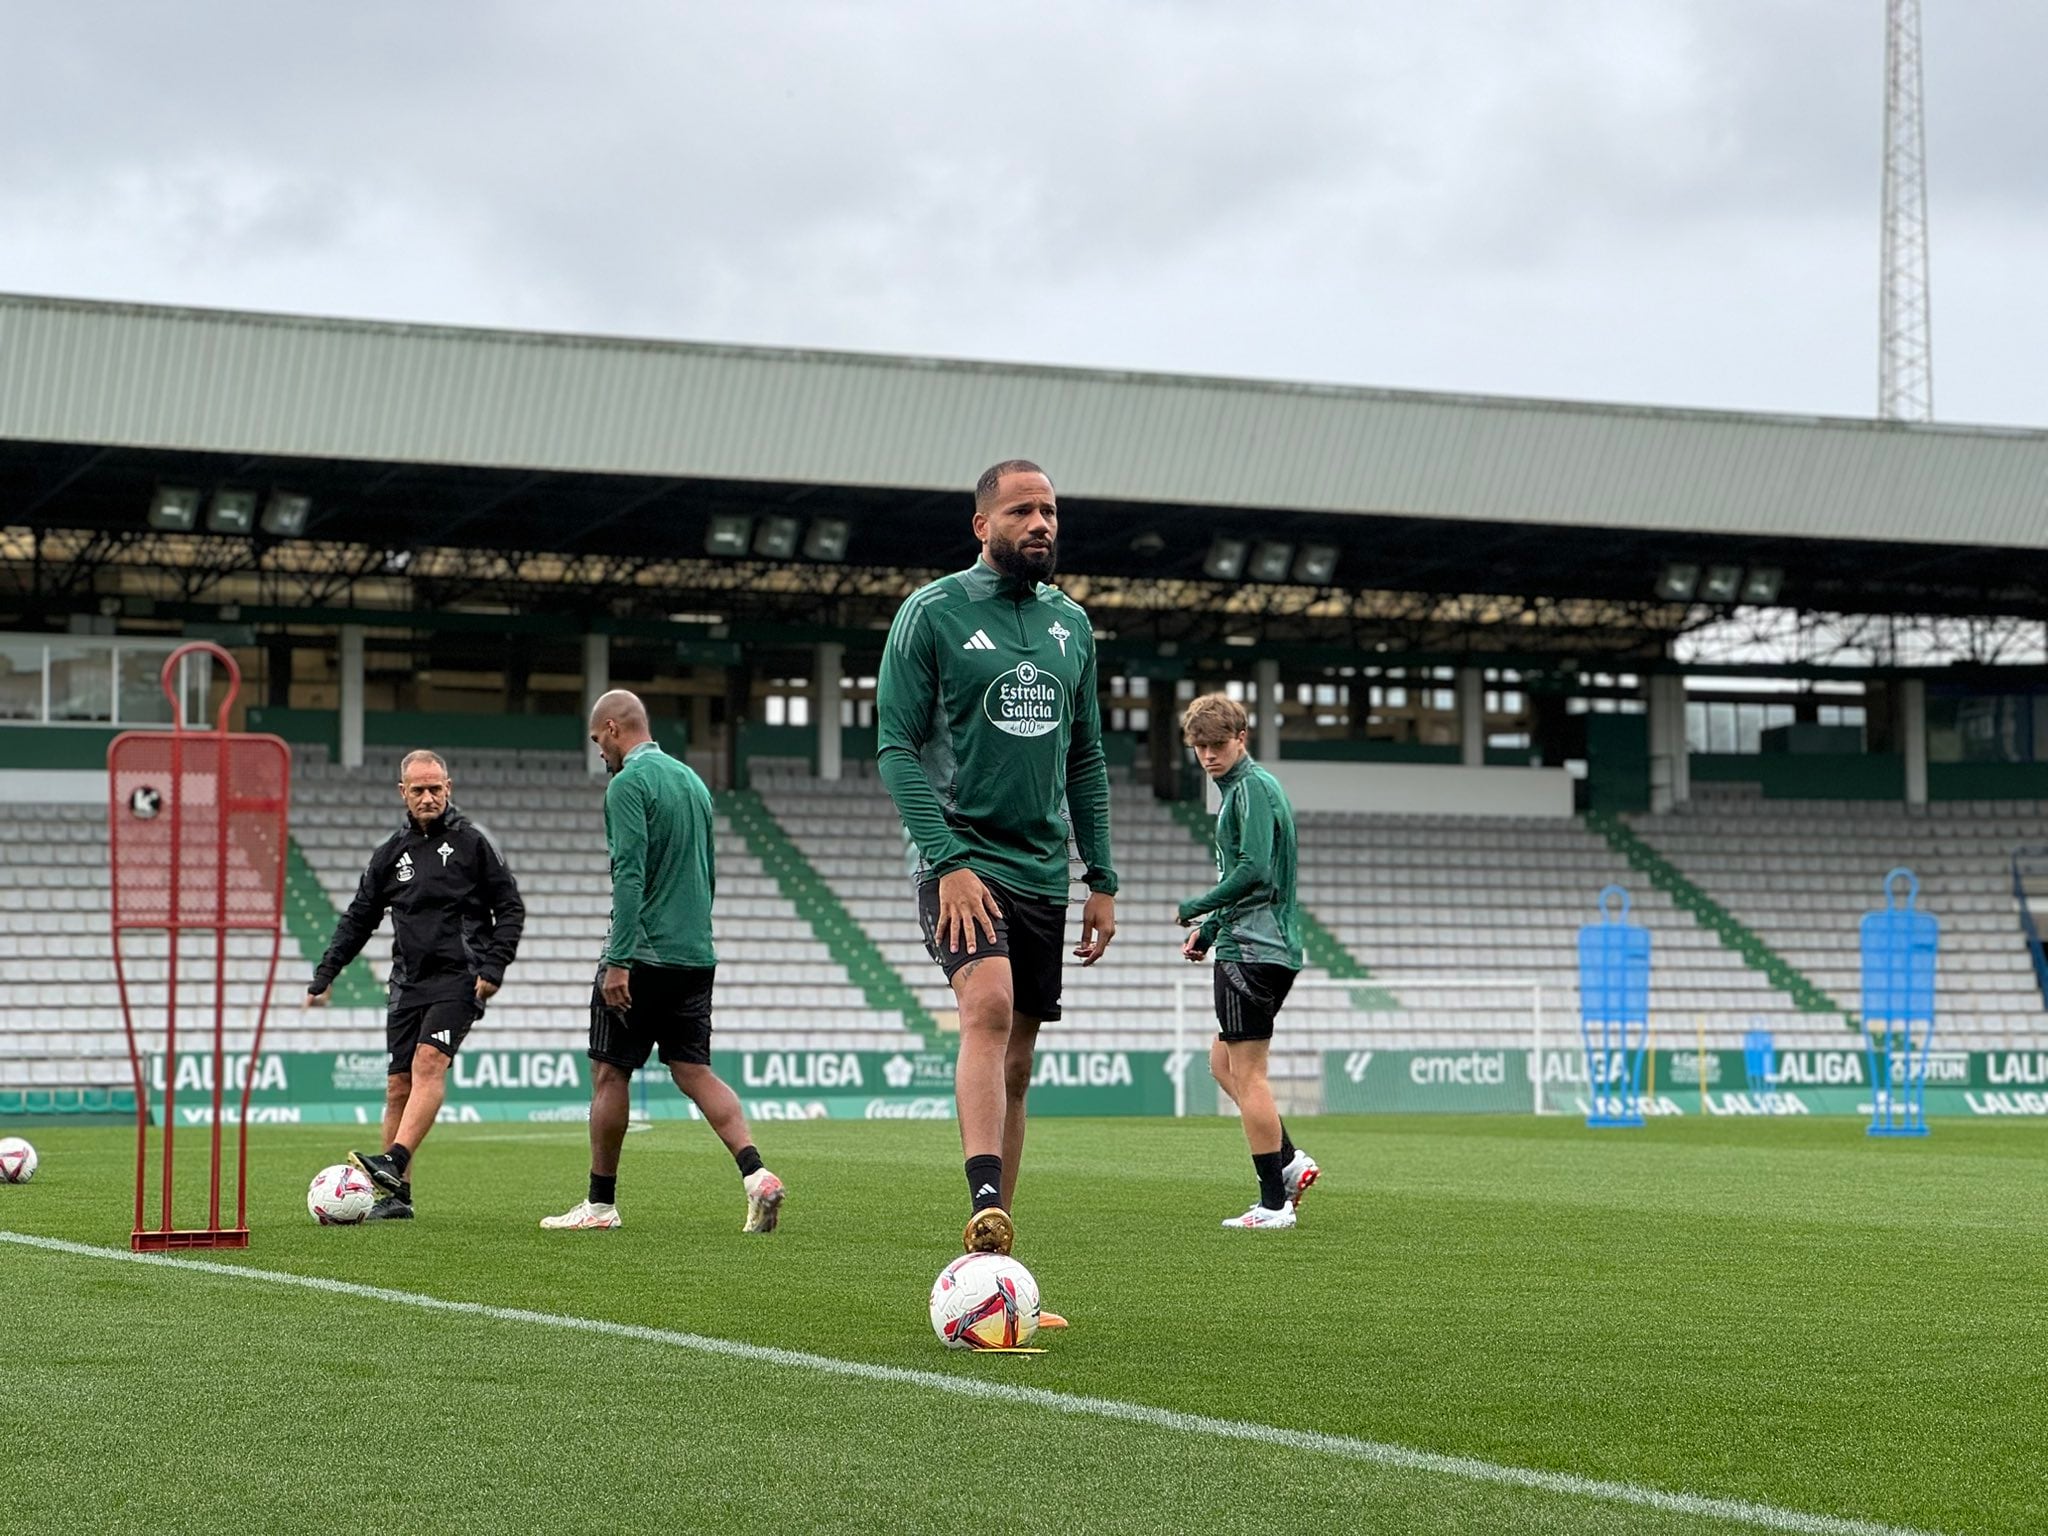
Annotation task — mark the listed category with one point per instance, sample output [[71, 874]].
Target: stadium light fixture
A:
[[231, 512], [174, 509], [728, 535], [1149, 543], [1316, 564], [284, 515], [827, 538], [1721, 583], [1271, 561], [1677, 582], [1226, 557], [775, 538], [1762, 585]]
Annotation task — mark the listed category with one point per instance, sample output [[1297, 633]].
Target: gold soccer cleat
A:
[[989, 1230]]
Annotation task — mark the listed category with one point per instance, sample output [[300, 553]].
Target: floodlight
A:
[[775, 538], [1149, 543], [231, 512], [1678, 580], [284, 515], [174, 509], [1271, 561], [1316, 564], [827, 538], [1762, 584], [1721, 583], [1226, 557], [728, 535]]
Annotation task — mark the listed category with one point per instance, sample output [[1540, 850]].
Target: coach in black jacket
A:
[[455, 920]]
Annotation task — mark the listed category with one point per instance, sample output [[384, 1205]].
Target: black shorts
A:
[[443, 1025], [1248, 995], [1031, 933], [671, 1014]]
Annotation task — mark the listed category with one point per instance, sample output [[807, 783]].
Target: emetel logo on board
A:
[[1024, 701]]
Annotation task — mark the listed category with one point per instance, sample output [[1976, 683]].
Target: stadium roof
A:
[[409, 434]]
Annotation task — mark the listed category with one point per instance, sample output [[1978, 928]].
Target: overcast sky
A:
[[1663, 201]]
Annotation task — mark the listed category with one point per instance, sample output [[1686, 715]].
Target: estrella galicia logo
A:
[[1025, 701]]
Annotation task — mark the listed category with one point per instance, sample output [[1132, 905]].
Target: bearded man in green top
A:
[[990, 743]]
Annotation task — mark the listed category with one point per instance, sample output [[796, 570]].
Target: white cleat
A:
[[764, 1201], [584, 1216], [1298, 1175], [1259, 1217]]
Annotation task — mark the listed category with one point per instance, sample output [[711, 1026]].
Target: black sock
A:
[[1286, 1145], [985, 1181], [749, 1161], [1272, 1189], [401, 1157], [604, 1189]]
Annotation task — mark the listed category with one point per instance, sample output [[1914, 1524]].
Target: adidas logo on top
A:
[[978, 641]]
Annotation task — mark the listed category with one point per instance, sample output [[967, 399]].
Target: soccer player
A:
[[990, 740], [653, 990], [1251, 921], [455, 922]]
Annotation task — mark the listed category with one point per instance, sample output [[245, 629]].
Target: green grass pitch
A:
[[1777, 1312]]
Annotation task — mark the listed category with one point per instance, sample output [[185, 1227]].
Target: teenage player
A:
[[1252, 923], [990, 740], [653, 990], [455, 922]]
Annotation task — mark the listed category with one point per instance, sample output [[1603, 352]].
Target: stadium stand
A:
[[1467, 898], [1802, 873]]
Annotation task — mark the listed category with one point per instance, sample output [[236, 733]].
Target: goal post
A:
[[1392, 1044]]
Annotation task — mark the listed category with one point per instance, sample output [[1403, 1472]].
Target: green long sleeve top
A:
[[658, 828], [1252, 913], [990, 734]]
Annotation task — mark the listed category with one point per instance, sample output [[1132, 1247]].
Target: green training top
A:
[[990, 734], [1252, 913], [657, 824]]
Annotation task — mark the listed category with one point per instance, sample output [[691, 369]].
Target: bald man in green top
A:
[[653, 989]]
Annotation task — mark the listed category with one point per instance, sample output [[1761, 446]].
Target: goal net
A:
[[1394, 1045]]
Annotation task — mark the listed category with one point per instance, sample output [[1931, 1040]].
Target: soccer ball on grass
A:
[[17, 1160], [340, 1196], [984, 1301]]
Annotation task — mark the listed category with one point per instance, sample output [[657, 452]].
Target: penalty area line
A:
[[1757, 1516]]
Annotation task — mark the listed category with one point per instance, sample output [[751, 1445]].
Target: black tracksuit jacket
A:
[[455, 912]]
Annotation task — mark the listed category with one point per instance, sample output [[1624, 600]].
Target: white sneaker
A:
[[584, 1216], [1298, 1175], [764, 1201], [1259, 1216]]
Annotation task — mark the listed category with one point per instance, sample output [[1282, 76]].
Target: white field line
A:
[[1765, 1517]]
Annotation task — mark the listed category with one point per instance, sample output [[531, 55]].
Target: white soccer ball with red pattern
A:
[[17, 1160], [340, 1196], [984, 1301]]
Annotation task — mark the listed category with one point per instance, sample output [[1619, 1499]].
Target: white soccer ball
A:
[[17, 1160], [340, 1196], [984, 1301]]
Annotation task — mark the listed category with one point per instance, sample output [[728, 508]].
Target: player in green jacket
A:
[[653, 989], [990, 743], [1252, 922]]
